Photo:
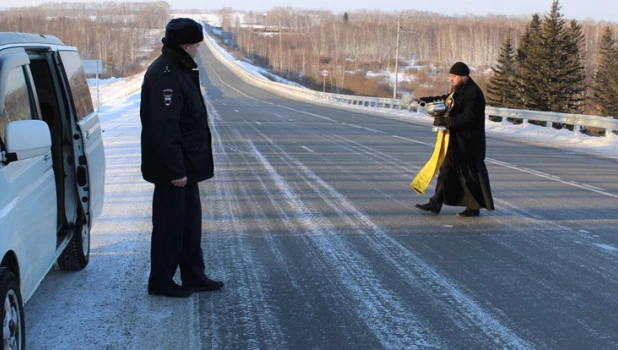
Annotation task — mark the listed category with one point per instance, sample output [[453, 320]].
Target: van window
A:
[[77, 82], [16, 99]]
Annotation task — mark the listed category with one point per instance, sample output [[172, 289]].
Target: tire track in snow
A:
[[393, 324], [284, 264], [260, 327], [372, 303]]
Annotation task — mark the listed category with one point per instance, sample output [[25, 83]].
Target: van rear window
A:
[[77, 82]]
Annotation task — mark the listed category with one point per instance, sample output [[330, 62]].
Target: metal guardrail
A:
[[360, 101], [609, 124]]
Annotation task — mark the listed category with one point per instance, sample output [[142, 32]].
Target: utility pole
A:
[[397, 53], [280, 46], [396, 59]]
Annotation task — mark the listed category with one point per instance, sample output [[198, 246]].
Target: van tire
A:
[[77, 253], [13, 322]]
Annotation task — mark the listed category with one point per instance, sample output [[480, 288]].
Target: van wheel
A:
[[13, 323], [77, 253]]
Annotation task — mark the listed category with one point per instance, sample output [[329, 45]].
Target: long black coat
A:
[[465, 177], [176, 139], [467, 124]]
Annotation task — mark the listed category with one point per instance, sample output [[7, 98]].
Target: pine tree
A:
[[552, 76], [552, 67], [529, 56], [502, 88], [605, 86], [573, 77]]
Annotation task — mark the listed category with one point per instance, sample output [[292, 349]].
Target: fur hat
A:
[[460, 68], [181, 31]]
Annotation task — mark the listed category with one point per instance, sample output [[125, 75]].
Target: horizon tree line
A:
[[120, 34], [554, 61], [547, 63]]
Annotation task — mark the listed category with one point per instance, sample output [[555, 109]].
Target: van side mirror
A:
[[26, 139]]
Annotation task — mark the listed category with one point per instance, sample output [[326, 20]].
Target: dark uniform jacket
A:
[[176, 139]]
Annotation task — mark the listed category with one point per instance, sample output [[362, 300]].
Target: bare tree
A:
[[113, 32]]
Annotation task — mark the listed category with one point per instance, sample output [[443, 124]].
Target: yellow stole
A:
[[420, 183]]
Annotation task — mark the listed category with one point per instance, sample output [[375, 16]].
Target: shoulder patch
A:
[[167, 97]]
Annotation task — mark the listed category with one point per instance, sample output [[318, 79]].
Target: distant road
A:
[[311, 223]]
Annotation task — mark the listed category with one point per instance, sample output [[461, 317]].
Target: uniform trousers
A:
[[176, 235]]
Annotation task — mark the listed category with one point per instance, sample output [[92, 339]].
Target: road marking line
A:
[[407, 139], [551, 177], [533, 172]]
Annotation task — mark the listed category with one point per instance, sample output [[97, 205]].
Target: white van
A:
[[52, 169]]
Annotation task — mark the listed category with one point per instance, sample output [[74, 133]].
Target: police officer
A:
[[176, 155]]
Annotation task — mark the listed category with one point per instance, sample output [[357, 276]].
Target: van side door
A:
[[86, 128]]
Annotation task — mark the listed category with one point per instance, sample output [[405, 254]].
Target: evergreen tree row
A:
[[605, 86], [546, 72]]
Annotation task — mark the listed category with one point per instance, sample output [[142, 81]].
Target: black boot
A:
[[469, 212], [429, 207], [206, 285]]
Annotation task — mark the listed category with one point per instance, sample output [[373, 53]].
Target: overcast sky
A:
[[598, 10]]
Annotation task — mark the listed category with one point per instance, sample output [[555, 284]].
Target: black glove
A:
[[440, 120], [428, 99]]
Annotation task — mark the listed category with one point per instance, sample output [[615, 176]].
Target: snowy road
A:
[[312, 225]]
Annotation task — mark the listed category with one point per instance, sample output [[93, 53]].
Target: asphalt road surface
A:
[[311, 223]]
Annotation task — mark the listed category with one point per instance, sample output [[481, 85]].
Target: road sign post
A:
[[324, 74]]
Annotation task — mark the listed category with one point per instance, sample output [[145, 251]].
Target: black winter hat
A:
[[460, 68], [181, 31]]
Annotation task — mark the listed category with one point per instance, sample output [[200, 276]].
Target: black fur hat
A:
[[181, 31], [460, 68]]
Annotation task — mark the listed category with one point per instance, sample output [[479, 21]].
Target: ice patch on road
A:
[[606, 247]]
